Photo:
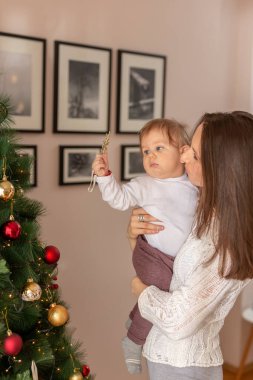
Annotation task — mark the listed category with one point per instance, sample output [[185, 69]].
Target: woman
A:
[[216, 261]]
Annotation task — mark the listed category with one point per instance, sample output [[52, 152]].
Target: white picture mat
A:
[[127, 172], [82, 54], [139, 61], [35, 50]]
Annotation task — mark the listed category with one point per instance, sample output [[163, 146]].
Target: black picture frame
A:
[[82, 88], [22, 79], [131, 162], [75, 163], [140, 89], [31, 150]]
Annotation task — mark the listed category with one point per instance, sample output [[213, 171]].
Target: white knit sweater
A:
[[187, 320]]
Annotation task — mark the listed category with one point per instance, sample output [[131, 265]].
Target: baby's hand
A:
[[100, 165]]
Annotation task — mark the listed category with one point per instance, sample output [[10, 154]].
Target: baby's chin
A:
[[157, 175]]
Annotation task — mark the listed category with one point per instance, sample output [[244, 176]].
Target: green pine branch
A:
[[51, 348]]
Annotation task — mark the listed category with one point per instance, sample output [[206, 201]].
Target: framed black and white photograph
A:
[[141, 89], [131, 162], [75, 164], [82, 87], [22, 79], [30, 150]]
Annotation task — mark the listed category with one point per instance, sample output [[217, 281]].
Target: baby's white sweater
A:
[[171, 200], [187, 320]]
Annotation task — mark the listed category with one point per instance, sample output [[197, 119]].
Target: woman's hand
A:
[[137, 286], [140, 223]]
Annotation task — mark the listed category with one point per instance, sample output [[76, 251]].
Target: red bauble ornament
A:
[[11, 230], [51, 254], [13, 344], [85, 370]]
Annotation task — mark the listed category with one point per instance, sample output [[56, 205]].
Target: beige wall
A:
[[200, 39]]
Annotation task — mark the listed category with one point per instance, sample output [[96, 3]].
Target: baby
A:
[[164, 192]]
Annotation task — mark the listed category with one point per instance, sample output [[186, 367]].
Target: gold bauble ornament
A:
[[7, 190], [57, 315], [76, 376], [32, 291]]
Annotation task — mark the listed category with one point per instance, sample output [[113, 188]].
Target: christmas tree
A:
[[34, 341]]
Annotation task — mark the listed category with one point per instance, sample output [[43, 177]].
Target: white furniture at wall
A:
[[247, 314]]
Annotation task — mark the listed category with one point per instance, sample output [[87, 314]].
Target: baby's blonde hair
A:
[[175, 131]]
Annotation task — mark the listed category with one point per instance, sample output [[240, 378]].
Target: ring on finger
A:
[[141, 218]]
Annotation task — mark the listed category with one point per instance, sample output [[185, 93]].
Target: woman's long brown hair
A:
[[227, 194]]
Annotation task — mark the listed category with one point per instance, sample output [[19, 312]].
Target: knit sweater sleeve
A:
[[120, 197], [203, 298]]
